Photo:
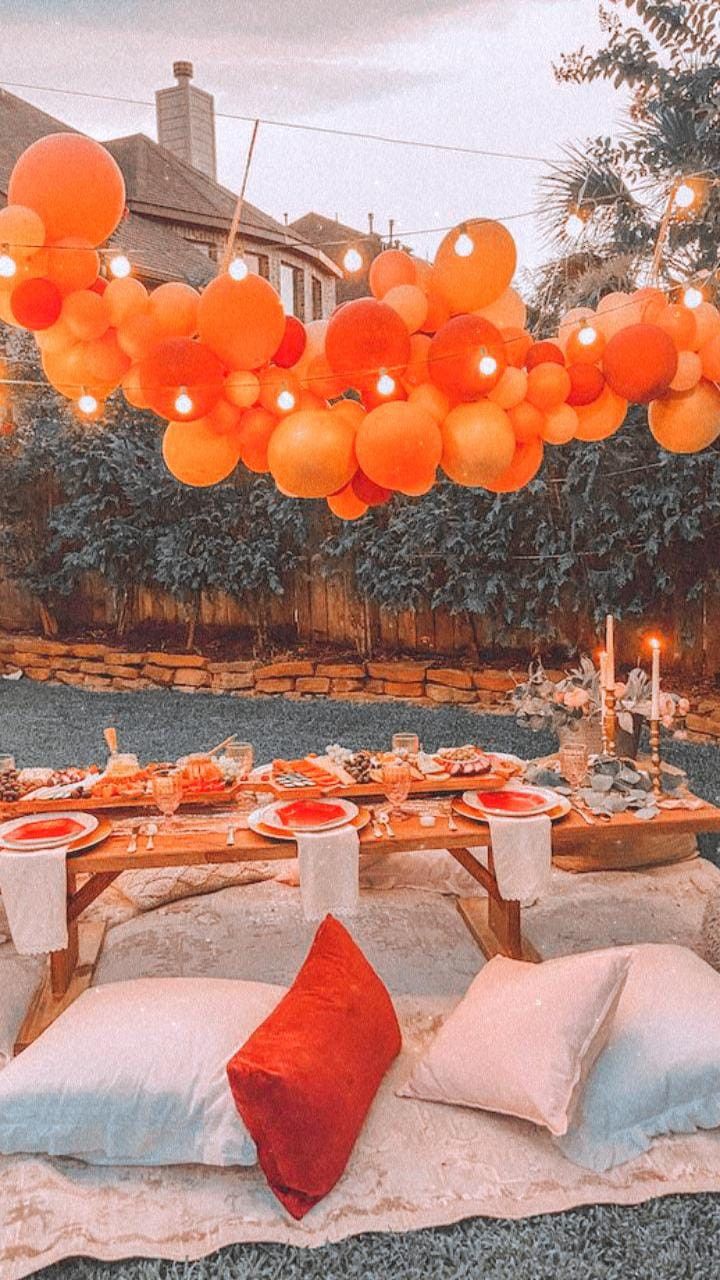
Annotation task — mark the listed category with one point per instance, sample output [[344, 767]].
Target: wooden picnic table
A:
[[494, 922]]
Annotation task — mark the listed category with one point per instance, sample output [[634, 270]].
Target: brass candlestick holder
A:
[[610, 723], [655, 762]]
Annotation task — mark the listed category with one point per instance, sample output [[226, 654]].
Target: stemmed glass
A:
[[242, 753], [396, 779], [167, 793], [405, 744], [573, 765]]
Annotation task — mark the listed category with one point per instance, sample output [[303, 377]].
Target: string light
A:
[[685, 195], [286, 401], [464, 245], [87, 404], [385, 385], [352, 261], [120, 266], [183, 403], [692, 297], [487, 366], [587, 335], [8, 266], [574, 226], [238, 269]]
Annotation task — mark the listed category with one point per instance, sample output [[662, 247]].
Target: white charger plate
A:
[[86, 823]]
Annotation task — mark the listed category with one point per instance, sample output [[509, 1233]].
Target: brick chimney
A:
[[186, 121]]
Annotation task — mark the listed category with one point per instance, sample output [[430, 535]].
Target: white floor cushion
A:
[[134, 1073], [523, 1037], [659, 1071], [154, 887]]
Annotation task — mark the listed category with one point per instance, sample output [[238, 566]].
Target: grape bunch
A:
[[359, 766], [10, 788]]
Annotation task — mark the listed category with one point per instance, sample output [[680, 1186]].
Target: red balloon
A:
[[586, 383], [36, 303], [179, 367], [640, 362], [467, 357], [543, 353], [293, 344], [368, 491], [364, 337]]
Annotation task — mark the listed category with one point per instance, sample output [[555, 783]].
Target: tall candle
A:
[[610, 652], [655, 702], [603, 683]]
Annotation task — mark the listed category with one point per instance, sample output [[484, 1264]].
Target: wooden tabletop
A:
[[176, 849]]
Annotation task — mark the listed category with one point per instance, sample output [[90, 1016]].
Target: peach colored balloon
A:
[[242, 388], [560, 426], [410, 303], [132, 390], [398, 446], [254, 431], [477, 278], [689, 371], [86, 314], [571, 322], [430, 398], [57, 338], [478, 443], [527, 421], [346, 504], [615, 311], [511, 389], [105, 360], [688, 421], [22, 231], [175, 307], [709, 358], [126, 298], [70, 263], [707, 322], [391, 268], [602, 418], [548, 385], [197, 455], [506, 312], [279, 390], [138, 334], [312, 453]]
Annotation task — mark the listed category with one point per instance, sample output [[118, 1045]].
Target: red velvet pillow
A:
[[304, 1081]]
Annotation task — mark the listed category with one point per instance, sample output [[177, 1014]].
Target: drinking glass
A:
[[167, 793], [405, 744], [243, 754], [396, 778], [7, 764], [574, 763]]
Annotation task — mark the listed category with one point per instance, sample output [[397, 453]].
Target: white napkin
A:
[[522, 854], [34, 890], [329, 863]]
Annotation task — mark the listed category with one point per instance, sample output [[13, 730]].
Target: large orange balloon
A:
[[126, 298], [686, 422], [526, 462], [73, 184], [466, 357], [71, 264], [255, 429], [602, 418], [548, 385], [86, 315], [22, 231], [640, 362], [399, 447], [364, 337], [391, 268], [475, 264], [312, 453], [180, 367], [197, 455], [175, 307], [478, 443], [242, 320]]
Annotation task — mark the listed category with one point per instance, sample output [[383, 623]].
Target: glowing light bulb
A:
[[120, 266], [655, 643], [286, 401], [574, 226], [685, 196], [183, 403], [87, 404], [238, 269], [587, 335], [463, 245], [8, 266], [487, 366], [385, 385], [352, 261], [692, 297]]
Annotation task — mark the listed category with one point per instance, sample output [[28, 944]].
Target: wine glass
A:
[[167, 793], [574, 763], [405, 744], [243, 755], [396, 779]]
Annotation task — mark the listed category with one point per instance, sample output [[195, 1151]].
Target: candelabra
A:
[[610, 722], [655, 756]]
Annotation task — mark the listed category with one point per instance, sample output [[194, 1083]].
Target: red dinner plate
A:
[[306, 813], [49, 829], [513, 802]]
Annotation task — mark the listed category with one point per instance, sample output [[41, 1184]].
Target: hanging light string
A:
[[227, 261]]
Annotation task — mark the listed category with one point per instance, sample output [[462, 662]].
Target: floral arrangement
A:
[[541, 703]]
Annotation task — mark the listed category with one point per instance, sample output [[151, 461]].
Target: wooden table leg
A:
[[494, 922]]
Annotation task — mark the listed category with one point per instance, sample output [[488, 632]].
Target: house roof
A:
[[159, 253], [335, 238]]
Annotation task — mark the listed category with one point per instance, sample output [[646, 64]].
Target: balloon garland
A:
[[434, 370]]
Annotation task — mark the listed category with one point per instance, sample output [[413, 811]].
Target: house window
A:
[[258, 264], [292, 290], [316, 298]]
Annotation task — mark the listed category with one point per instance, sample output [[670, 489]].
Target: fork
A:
[[132, 841], [452, 824], [385, 819], [376, 825]]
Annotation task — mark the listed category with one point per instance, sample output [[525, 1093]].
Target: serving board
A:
[[87, 804], [358, 790]]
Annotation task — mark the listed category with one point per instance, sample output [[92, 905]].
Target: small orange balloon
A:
[[410, 303], [352, 411], [312, 453], [416, 372], [126, 298], [687, 422], [478, 443], [399, 447], [710, 358], [175, 307], [138, 334], [526, 462], [548, 385], [527, 421], [242, 320], [242, 388], [507, 312], [511, 389], [225, 418], [689, 371], [105, 360], [602, 418], [430, 398], [71, 264], [346, 504], [560, 425], [86, 315], [516, 345], [73, 183], [438, 312], [679, 323], [475, 264], [322, 381], [254, 431], [132, 390], [22, 231], [279, 390], [585, 345], [392, 267], [707, 323], [196, 455]]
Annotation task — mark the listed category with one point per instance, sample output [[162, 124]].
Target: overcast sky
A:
[[472, 74]]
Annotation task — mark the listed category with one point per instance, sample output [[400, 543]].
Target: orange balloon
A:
[[709, 358], [22, 231], [679, 323], [132, 390], [57, 338], [391, 268], [430, 398], [652, 303], [640, 362], [707, 323], [242, 388], [175, 307], [686, 422], [511, 389], [71, 264], [196, 455], [399, 447], [126, 298], [516, 345], [138, 334], [560, 425], [225, 418], [475, 264], [7, 316], [616, 311], [73, 183], [417, 371], [478, 443], [254, 431], [438, 312], [105, 360], [180, 368], [346, 504], [321, 380], [689, 371], [351, 410], [381, 389], [585, 345], [364, 337], [548, 385], [242, 320], [86, 314], [279, 390], [410, 303], [312, 453], [602, 418], [571, 321], [68, 372], [527, 421], [466, 357], [507, 311], [526, 462]]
